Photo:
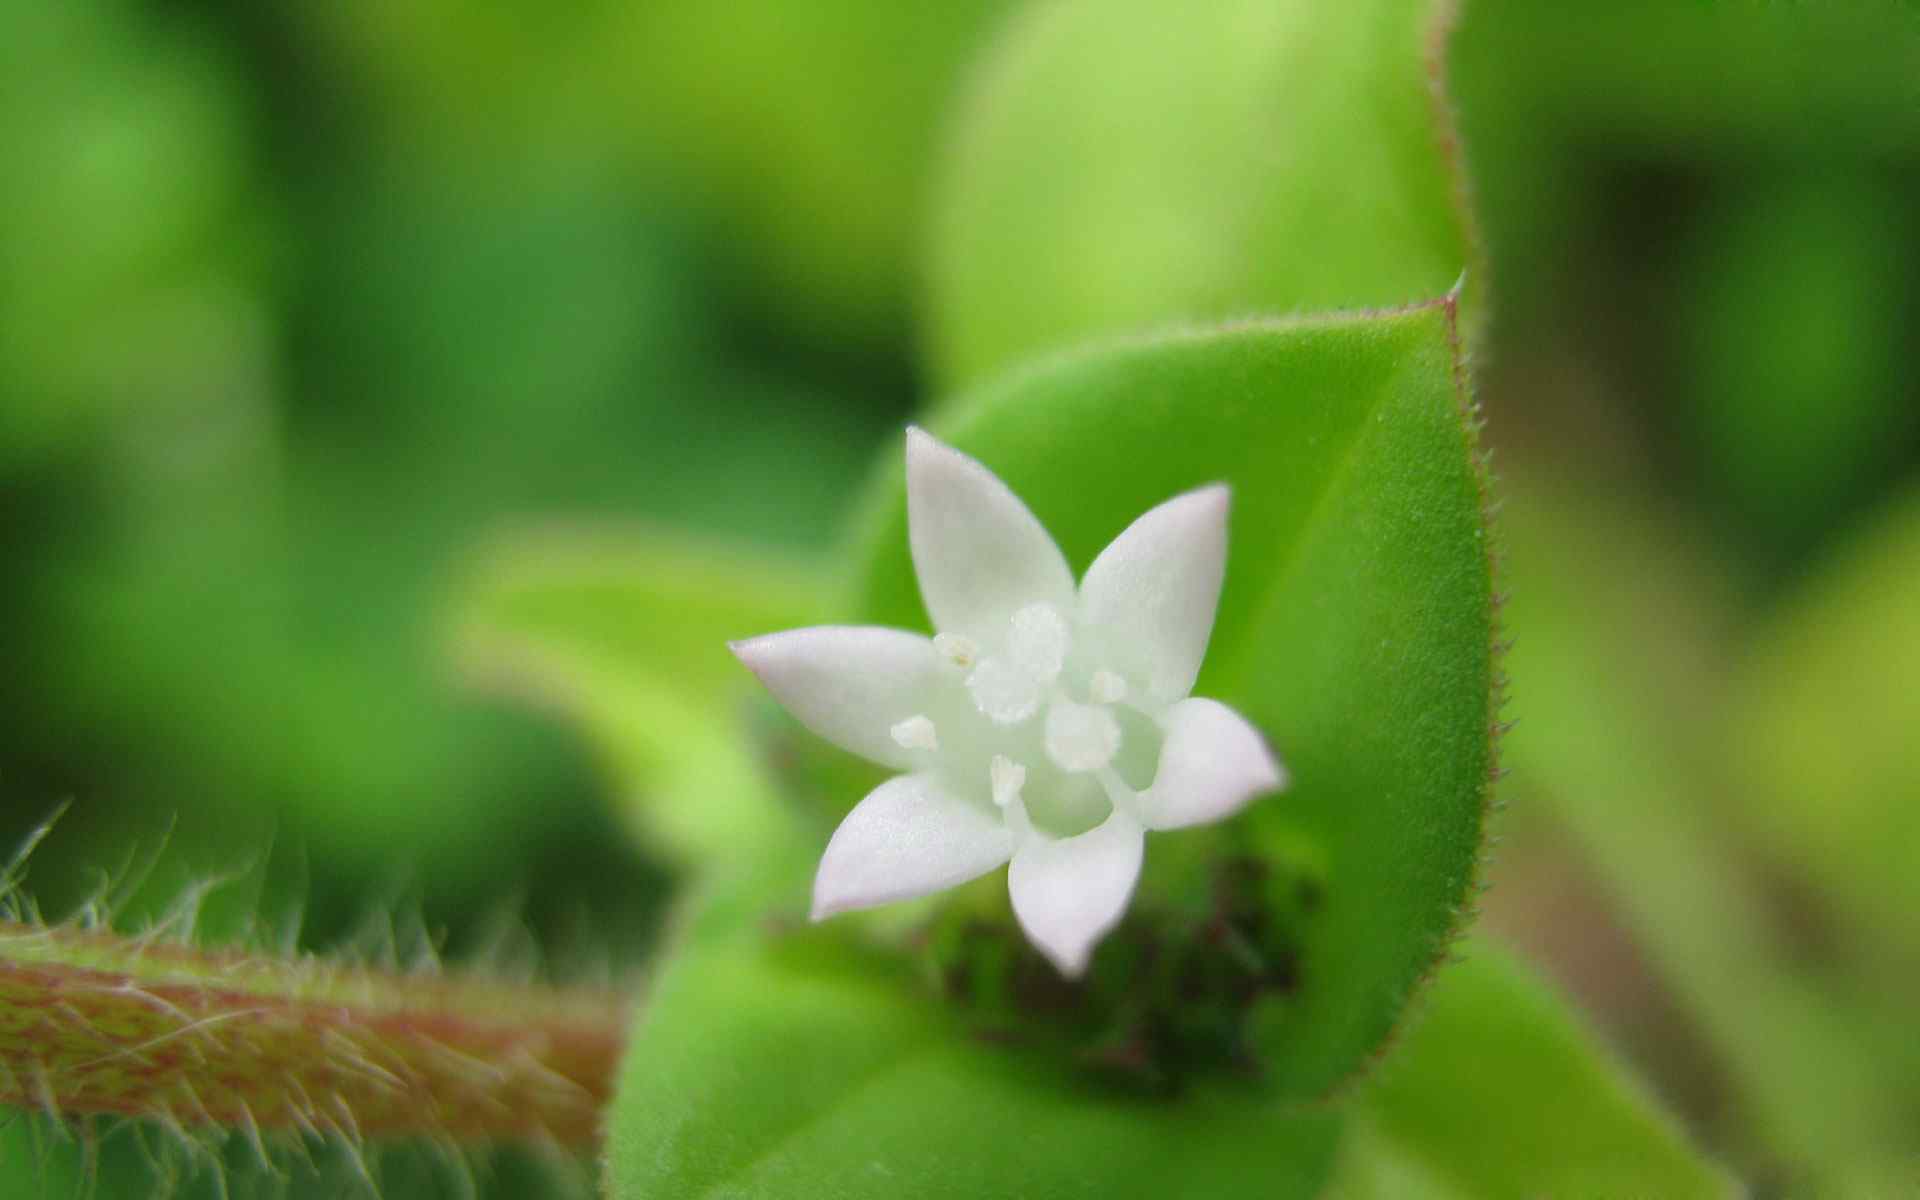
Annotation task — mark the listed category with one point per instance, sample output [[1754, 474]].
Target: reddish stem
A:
[[95, 1023]]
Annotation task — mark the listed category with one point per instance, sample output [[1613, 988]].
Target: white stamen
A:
[[1003, 692], [1008, 778], [1081, 737], [1107, 688], [916, 733], [1123, 798], [958, 650], [1039, 642]]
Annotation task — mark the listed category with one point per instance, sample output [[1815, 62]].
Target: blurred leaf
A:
[[787, 1067], [127, 148], [501, 337], [493, 335], [1355, 626], [449, 74], [1124, 165], [805, 136], [1733, 72], [1553, 100], [1798, 331], [1825, 733], [1498, 1092], [1613, 674], [627, 633]]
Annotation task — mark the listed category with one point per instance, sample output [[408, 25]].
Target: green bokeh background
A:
[[304, 307]]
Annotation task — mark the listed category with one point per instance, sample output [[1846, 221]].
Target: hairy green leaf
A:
[[1123, 164], [789, 1067], [1355, 626]]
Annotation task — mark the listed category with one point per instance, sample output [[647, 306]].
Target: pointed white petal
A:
[[908, 838], [1069, 893], [979, 554], [1152, 592], [851, 684], [1212, 763]]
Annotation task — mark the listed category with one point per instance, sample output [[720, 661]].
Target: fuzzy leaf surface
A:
[[767, 1068]]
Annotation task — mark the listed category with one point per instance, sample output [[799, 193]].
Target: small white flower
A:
[[1044, 725]]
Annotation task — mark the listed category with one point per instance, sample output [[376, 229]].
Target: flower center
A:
[[1003, 692], [1033, 670], [1081, 737]]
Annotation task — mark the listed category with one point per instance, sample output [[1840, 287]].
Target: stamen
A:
[[958, 650], [1107, 688], [1008, 778], [1081, 737], [1123, 798], [1004, 693], [1039, 642], [916, 733]]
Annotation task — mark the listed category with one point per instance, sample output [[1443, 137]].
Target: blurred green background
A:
[[307, 309]]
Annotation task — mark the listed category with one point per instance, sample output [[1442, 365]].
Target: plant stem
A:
[[92, 1023]]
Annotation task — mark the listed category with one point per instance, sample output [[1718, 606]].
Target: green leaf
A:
[[787, 1067], [627, 633], [1355, 627], [1122, 164], [1499, 1092]]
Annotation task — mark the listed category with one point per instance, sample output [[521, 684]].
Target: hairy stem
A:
[[95, 1023]]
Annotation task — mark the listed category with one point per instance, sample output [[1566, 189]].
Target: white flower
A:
[[1045, 725]]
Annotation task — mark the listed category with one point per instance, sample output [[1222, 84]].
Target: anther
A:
[[1107, 688], [1008, 778], [916, 733], [958, 650]]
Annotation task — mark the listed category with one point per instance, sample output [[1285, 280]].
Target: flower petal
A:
[[1153, 590], [1212, 763], [851, 684], [979, 553], [908, 838], [1068, 893]]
